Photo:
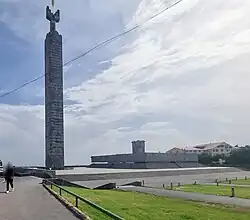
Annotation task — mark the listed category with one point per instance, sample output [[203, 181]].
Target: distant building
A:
[[140, 159], [138, 147], [218, 148], [176, 150]]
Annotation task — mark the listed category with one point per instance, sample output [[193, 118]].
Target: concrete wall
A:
[[116, 158], [120, 165], [164, 157], [106, 176], [63, 182], [42, 173], [161, 165], [145, 157], [147, 165]]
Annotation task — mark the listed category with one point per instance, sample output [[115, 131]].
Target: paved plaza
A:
[[157, 181], [86, 170]]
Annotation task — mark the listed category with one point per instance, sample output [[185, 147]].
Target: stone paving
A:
[[30, 201], [159, 180], [190, 196]]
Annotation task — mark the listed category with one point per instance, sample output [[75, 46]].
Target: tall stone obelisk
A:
[[54, 122]]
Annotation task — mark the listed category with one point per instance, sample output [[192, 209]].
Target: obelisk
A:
[[54, 121]]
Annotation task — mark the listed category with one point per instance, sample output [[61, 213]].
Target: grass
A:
[[138, 206], [238, 182], [216, 190], [85, 208]]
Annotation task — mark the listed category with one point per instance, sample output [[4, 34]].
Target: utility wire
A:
[[94, 48], [20, 87], [121, 34]]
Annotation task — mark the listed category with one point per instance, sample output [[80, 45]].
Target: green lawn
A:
[[216, 190], [85, 208], [136, 206], [238, 182]]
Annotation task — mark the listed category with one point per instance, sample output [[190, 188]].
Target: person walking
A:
[[9, 177]]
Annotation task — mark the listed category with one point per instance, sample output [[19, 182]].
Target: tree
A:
[[208, 159], [240, 156], [205, 159]]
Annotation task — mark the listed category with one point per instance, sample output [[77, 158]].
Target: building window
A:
[[216, 150]]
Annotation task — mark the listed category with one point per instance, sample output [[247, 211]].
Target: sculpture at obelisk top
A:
[[54, 119], [52, 17]]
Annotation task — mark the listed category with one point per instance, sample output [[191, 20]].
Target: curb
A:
[[75, 211]]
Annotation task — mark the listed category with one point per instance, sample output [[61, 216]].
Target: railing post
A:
[[179, 184], [163, 185], [60, 191], [245, 178], [51, 185], [76, 202], [233, 192], [226, 179], [171, 186]]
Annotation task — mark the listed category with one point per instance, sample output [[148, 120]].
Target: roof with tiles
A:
[[207, 146]]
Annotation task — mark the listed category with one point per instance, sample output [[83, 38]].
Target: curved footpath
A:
[[30, 201], [190, 196], [225, 184]]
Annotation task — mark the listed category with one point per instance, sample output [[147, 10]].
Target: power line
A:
[[20, 87], [121, 34], [94, 48]]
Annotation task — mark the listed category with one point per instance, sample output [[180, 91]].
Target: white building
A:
[[219, 148]]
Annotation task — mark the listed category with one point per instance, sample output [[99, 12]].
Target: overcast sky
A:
[[181, 79]]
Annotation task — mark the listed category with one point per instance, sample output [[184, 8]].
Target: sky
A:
[[179, 80]]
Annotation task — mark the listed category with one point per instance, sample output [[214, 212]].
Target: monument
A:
[[54, 121], [140, 159]]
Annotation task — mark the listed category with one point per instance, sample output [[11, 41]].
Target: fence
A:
[[79, 198]]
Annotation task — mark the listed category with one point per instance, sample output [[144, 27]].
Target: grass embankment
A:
[[136, 206], [238, 182], [215, 190]]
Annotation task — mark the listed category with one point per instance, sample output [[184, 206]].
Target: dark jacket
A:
[[9, 172]]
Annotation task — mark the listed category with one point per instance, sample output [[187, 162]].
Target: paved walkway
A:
[[190, 196], [224, 184], [30, 201]]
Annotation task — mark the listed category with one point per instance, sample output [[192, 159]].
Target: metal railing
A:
[[79, 198]]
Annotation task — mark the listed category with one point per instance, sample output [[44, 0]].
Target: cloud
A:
[[180, 79]]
